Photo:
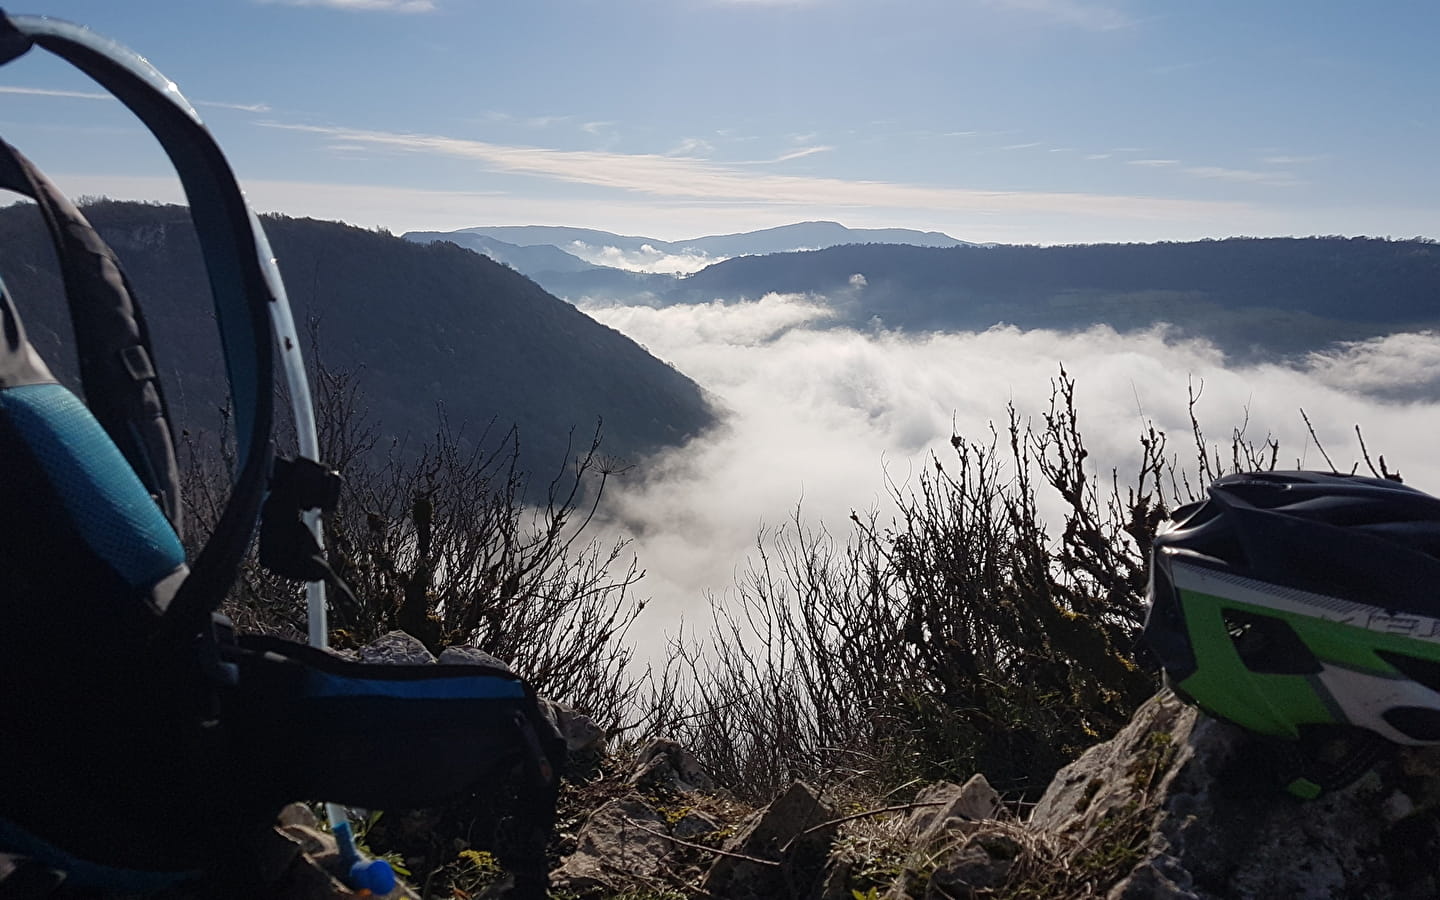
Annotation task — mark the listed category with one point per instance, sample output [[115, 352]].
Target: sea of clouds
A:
[[647, 258], [821, 417]]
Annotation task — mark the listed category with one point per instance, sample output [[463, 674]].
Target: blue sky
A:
[[1046, 121]]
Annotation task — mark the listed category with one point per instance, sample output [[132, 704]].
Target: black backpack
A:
[[142, 745]]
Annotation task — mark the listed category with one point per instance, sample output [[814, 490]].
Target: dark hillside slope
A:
[[424, 325], [1277, 293]]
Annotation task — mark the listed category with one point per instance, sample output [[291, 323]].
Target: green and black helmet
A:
[[1296, 599]]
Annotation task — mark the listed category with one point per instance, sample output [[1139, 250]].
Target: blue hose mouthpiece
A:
[[361, 874], [373, 875]]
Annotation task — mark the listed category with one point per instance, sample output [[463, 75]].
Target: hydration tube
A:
[[244, 280], [372, 875]]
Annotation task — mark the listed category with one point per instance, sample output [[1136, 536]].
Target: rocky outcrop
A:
[[1179, 806], [663, 764], [781, 851], [1212, 822], [622, 842], [1176, 806], [940, 859]]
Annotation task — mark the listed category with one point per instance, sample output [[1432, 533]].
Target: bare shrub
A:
[[445, 544], [961, 635]]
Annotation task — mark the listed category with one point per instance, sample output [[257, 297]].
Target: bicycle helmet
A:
[[1295, 599]]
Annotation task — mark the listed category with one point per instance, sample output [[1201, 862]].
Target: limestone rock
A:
[[306, 866], [621, 840], [311, 840], [788, 842], [694, 825], [1161, 877], [973, 869], [974, 802], [582, 736], [397, 649], [470, 656], [666, 765], [1219, 826], [1083, 793], [946, 816], [298, 814]]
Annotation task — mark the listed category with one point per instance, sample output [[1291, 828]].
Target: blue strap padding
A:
[[102, 495], [320, 685], [245, 288], [83, 873]]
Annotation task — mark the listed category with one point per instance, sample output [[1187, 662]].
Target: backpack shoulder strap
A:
[[112, 342], [244, 284]]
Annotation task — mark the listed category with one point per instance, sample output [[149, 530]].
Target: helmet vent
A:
[[1418, 722], [1267, 645], [1423, 671]]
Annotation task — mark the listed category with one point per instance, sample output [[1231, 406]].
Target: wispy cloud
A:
[[802, 152], [97, 95], [392, 6], [1097, 156], [1217, 173], [1283, 160], [1077, 13], [507, 118], [679, 177], [1026, 146], [47, 92], [242, 107], [692, 147], [1249, 176]]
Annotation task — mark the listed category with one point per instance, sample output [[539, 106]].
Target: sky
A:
[[1018, 121]]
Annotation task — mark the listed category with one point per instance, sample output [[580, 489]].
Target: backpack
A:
[[143, 744]]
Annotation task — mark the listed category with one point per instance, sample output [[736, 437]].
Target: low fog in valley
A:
[[822, 418]]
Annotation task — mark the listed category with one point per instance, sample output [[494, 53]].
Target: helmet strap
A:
[[1318, 764]]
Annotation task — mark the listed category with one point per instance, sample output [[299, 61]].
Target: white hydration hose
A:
[[374, 875]]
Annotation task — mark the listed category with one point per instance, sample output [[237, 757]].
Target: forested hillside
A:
[[424, 328], [1274, 295]]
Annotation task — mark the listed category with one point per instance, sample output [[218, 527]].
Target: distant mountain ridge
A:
[[573, 241], [520, 257], [815, 235], [1254, 297]]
